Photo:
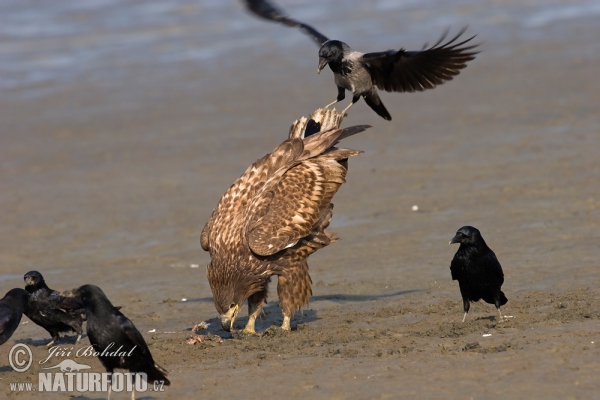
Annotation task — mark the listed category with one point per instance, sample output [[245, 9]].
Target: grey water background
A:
[[122, 122]]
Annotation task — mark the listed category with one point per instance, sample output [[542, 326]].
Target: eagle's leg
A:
[[255, 308], [341, 96], [355, 98], [294, 290]]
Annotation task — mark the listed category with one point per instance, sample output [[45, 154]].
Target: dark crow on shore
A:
[[110, 331], [42, 309], [12, 306], [391, 70], [477, 270]]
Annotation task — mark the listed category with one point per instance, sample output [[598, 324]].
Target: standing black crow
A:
[[391, 70], [477, 270], [110, 331], [12, 307], [42, 309]]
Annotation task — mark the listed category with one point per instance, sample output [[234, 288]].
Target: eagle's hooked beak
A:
[[322, 64], [228, 319]]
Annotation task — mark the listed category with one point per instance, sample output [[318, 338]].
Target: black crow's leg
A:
[[497, 303], [255, 308], [55, 337], [355, 98], [341, 96], [501, 317], [466, 305]]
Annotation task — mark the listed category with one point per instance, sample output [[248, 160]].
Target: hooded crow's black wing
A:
[[412, 71], [266, 10]]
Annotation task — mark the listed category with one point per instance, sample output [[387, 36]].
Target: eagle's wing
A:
[[268, 11], [410, 71], [292, 205], [236, 201], [204, 236]]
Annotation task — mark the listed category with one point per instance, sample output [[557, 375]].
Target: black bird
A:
[[109, 331], [391, 70], [43, 310], [12, 306], [477, 270]]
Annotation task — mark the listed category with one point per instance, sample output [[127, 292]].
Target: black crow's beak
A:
[[455, 239], [322, 64], [29, 281]]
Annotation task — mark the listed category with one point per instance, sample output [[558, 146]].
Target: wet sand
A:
[[112, 163]]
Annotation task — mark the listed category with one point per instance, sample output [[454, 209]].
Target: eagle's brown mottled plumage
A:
[[273, 217]]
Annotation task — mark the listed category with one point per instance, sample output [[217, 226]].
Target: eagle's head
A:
[[231, 286], [228, 307]]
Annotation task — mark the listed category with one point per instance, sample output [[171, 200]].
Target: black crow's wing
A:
[[268, 11], [9, 321], [457, 267], [132, 333], [412, 71], [6, 320], [492, 265]]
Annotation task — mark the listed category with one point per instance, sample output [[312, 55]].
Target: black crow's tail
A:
[[375, 103], [158, 373]]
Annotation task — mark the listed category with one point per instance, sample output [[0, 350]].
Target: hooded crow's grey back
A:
[[391, 70], [477, 270], [12, 306]]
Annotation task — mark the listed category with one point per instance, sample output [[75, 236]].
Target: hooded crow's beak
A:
[[322, 64]]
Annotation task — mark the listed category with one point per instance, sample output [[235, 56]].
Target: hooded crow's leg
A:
[[341, 96], [355, 98]]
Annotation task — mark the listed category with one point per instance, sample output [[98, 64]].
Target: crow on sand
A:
[[43, 310], [12, 306], [477, 270], [109, 330]]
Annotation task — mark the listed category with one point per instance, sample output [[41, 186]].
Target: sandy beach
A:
[[122, 123]]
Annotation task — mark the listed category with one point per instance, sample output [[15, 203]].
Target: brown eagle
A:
[[273, 217]]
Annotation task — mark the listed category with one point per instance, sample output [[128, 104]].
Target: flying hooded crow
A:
[[12, 306], [43, 310], [477, 270], [391, 70]]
